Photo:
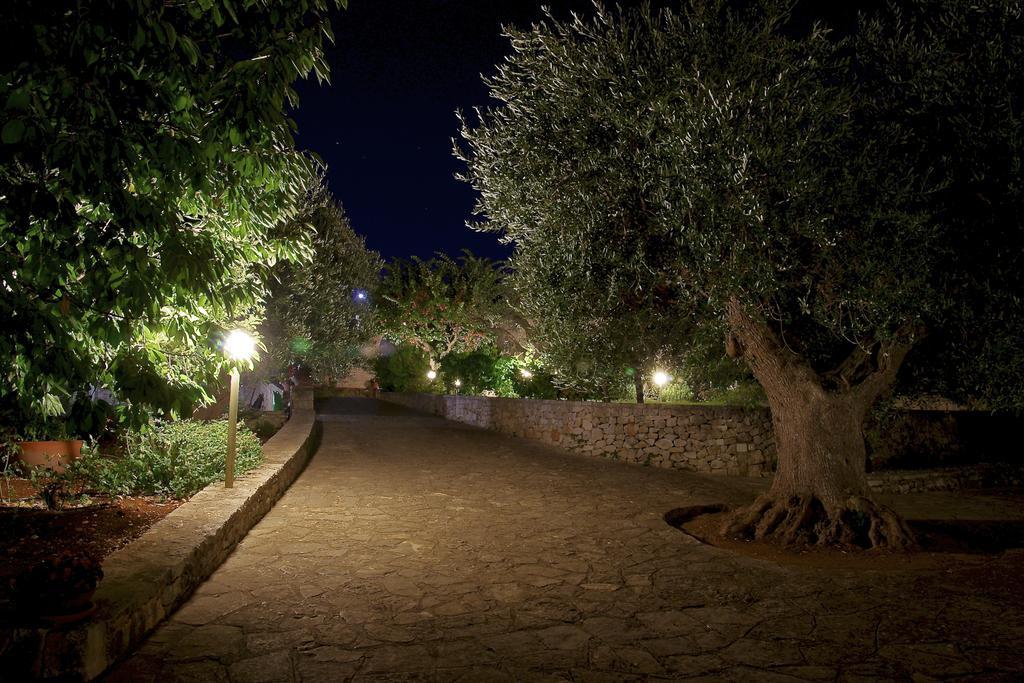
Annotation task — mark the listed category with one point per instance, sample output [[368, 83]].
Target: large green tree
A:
[[321, 312], [445, 305], [836, 203], [146, 159]]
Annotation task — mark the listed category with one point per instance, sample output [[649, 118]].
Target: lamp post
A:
[[239, 346]]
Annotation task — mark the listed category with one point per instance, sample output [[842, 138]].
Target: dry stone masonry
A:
[[720, 440]]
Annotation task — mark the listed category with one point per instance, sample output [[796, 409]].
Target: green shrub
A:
[[743, 394], [175, 459], [479, 371], [673, 392], [405, 370]]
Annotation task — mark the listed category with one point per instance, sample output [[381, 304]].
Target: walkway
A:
[[418, 549]]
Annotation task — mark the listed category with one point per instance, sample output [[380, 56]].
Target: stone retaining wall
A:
[[918, 446], [147, 580], [722, 440]]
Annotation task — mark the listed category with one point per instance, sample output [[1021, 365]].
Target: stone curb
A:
[[150, 578]]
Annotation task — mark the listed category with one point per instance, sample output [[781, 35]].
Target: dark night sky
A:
[[399, 70]]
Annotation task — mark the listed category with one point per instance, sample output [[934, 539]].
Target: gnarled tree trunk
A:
[[819, 495], [824, 447]]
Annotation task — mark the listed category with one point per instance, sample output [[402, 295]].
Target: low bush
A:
[[743, 394], [405, 370], [175, 459], [674, 392]]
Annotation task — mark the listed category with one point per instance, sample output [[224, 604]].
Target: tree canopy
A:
[[321, 312], [826, 201], [147, 158], [445, 305]]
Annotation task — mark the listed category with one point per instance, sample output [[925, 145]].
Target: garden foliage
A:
[[321, 313], [445, 305], [147, 162], [404, 370], [176, 459]]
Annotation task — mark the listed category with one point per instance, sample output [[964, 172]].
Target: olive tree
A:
[[147, 158], [837, 205], [601, 321]]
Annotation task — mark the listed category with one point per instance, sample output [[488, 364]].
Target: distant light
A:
[[661, 378], [526, 373], [458, 382], [360, 295], [431, 374], [239, 345]]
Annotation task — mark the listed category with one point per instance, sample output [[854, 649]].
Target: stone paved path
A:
[[418, 549]]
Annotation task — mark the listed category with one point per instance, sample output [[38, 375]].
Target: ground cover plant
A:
[[175, 459]]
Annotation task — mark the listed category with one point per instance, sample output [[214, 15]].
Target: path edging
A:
[[150, 578]]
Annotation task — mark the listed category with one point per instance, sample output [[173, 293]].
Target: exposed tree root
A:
[[805, 520]]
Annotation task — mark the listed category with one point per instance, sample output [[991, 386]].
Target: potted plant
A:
[[48, 433], [48, 444], [58, 589]]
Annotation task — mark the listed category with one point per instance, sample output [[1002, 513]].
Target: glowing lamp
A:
[[431, 375], [239, 345], [526, 373], [661, 378]]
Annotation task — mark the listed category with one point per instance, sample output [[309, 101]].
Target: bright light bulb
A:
[[526, 373], [431, 374], [661, 378], [239, 345], [458, 382]]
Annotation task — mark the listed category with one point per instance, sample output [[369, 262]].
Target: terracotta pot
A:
[[52, 454]]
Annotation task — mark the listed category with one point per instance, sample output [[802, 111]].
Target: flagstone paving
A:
[[418, 549]]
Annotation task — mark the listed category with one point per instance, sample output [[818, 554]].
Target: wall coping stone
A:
[[148, 579]]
